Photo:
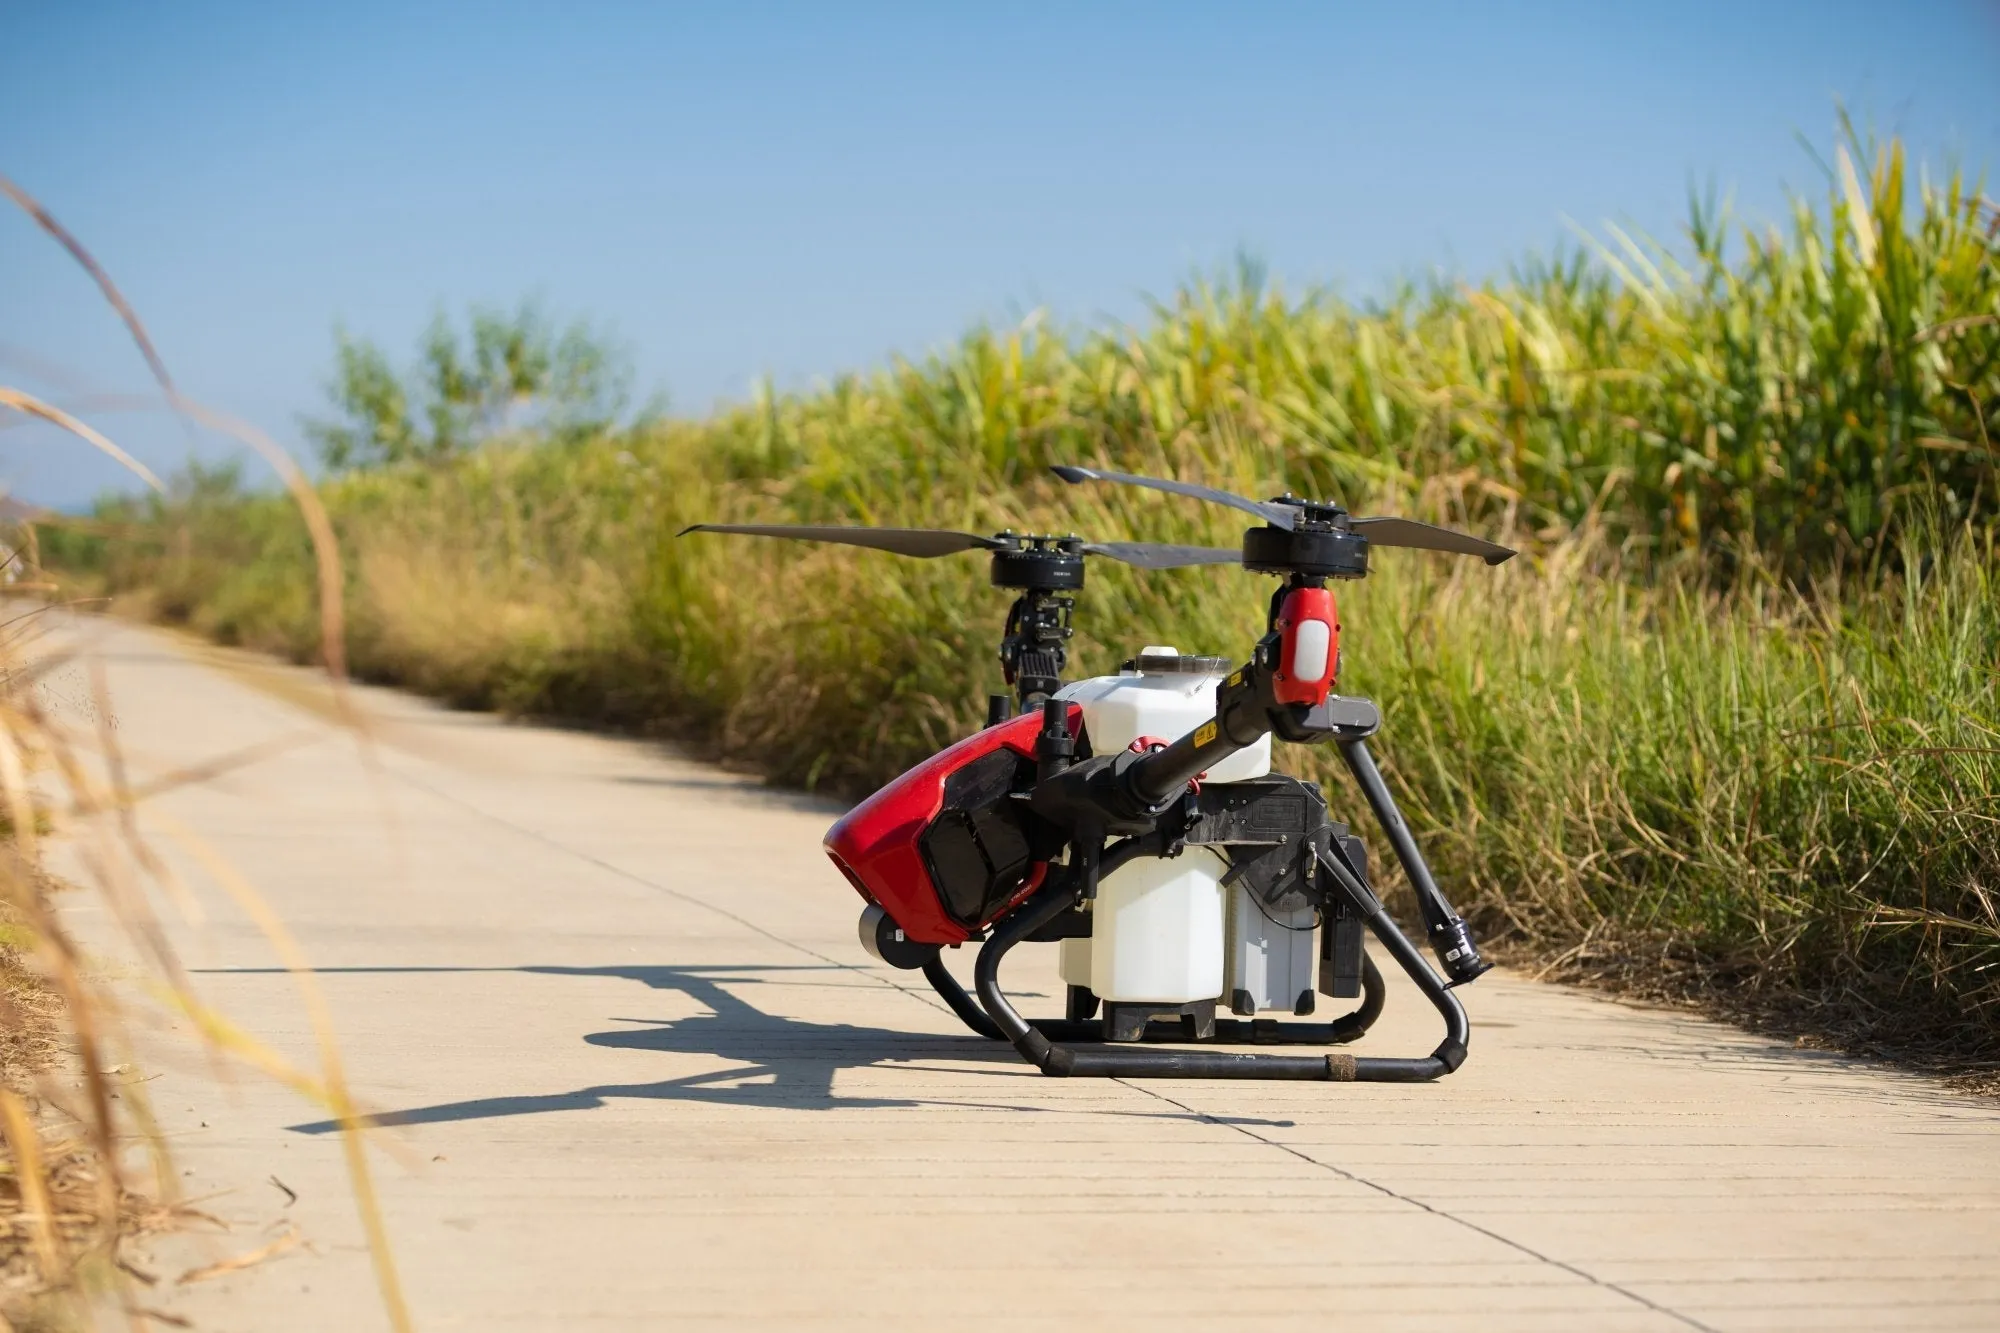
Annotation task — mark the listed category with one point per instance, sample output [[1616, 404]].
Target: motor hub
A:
[[1052, 564], [1319, 545]]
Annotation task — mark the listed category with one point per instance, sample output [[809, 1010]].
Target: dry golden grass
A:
[[69, 1194], [462, 629], [30, 1010]]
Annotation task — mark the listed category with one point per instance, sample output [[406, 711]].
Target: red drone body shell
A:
[[876, 844], [1309, 658]]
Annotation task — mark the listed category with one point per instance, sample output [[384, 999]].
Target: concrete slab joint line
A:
[[609, 1002], [1344, 1174]]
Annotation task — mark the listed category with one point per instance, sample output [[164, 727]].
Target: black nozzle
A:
[[1053, 747], [1452, 942]]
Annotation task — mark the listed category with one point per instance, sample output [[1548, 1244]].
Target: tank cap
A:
[[1156, 661]]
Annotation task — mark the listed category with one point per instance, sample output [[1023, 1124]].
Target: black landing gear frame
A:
[[1141, 781]]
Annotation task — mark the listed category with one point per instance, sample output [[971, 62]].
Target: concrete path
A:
[[613, 1003]]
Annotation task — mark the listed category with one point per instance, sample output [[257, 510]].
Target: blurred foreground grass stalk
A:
[[66, 1211]]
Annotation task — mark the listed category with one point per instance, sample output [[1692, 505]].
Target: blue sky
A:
[[796, 190]]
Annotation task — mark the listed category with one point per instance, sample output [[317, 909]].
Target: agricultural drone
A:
[[1135, 819]]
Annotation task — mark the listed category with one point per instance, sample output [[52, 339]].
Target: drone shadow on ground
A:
[[775, 1061], [739, 790]]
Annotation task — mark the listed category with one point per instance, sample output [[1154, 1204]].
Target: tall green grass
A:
[[1793, 395], [1735, 713]]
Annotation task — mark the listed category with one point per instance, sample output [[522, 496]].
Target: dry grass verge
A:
[[69, 1197]]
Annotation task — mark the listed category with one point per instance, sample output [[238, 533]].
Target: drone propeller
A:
[[1280, 515], [1161, 555], [927, 543], [1429, 537], [1286, 514], [924, 543]]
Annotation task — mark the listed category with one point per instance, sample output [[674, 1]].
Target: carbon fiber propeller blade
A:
[[924, 543], [1283, 516], [1406, 532], [1160, 555], [1428, 537]]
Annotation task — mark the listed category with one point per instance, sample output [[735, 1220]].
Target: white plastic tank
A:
[[1157, 930], [1073, 961], [1167, 696], [1158, 927]]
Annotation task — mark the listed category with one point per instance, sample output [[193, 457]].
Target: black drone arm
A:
[[1127, 793], [1246, 710]]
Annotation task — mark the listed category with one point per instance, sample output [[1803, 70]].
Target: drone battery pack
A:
[[944, 848], [1271, 958], [1342, 942]]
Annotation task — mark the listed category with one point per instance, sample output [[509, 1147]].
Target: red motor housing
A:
[[944, 849], [1309, 656]]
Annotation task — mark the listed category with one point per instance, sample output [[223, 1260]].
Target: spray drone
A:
[[1135, 819]]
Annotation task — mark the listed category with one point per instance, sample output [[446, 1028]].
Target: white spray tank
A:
[[1159, 928]]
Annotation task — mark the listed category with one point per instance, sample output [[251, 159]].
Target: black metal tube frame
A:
[[1430, 898]]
